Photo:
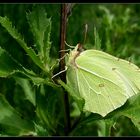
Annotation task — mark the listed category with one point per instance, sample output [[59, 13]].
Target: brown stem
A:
[[64, 12]]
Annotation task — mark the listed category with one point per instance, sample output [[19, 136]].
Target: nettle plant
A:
[[101, 87]]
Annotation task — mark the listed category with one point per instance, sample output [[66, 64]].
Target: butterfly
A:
[[103, 81]]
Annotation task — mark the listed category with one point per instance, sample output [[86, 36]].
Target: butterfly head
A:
[[79, 48], [75, 53]]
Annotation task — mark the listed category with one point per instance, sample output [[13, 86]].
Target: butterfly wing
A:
[[127, 71], [103, 81]]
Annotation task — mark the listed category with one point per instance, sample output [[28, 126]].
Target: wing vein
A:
[[96, 74], [127, 81], [97, 94]]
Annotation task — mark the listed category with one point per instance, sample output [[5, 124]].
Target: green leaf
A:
[[8, 65], [41, 28], [12, 120], [132, 111], [45, 108], [5, 22], [40, 130], [29, 93]]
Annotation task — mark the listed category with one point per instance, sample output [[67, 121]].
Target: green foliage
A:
[[30, 101], [13, 32], [9, 67], [13, 122], [29, 93], [41, 28]]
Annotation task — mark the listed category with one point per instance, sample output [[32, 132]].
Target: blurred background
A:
[[118, 26]]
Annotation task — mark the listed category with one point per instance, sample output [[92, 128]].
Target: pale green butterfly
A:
[[104, 82]]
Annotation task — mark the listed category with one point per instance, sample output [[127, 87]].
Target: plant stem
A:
[[64, 12], [76, 123]]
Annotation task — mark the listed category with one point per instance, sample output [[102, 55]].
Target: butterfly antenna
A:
[[69, 45], [60, 72], [64, 50]]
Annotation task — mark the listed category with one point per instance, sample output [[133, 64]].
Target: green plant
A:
[[32, 103]]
